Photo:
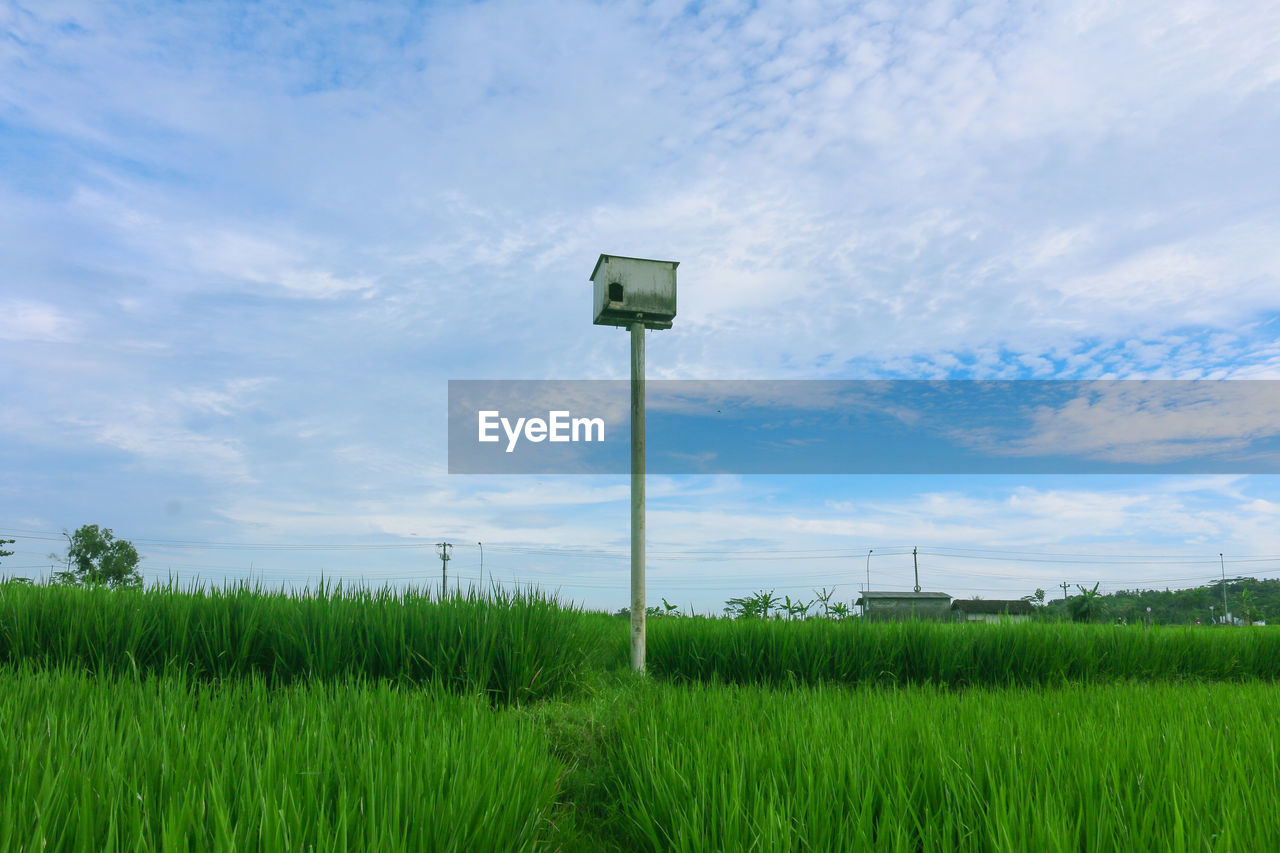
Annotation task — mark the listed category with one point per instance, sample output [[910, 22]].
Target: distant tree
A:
[[795, 608], [96, 557], [1248, 610], [1085, 606], [1036, 599], [5, 552], [756, 606], [824, 598]]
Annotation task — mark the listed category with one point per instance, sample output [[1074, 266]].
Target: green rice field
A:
[[509, 648], [817, 651], [356, 720], [1118, 767], [96, 763]]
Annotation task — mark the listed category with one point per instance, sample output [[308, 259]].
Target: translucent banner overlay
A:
[[869, 427]]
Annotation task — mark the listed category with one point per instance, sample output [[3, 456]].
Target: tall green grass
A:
[[815, 651], [510, 647], [528, 646], [1111, 767], [99, 763]]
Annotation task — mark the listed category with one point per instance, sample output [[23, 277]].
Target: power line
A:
[[719, 553], [944, 566]]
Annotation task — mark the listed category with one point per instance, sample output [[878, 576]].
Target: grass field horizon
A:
[[510, 646], [349, 719]]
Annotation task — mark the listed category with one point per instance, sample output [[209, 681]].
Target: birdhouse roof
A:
[[604, 258]]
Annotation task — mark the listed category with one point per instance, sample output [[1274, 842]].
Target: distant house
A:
[[891, 606], [991, 610]]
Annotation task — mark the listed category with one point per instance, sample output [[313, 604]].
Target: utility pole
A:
[[1223, 565], [1064, 586], [481, 544], [866, 596], [915, 562], [444, 566]]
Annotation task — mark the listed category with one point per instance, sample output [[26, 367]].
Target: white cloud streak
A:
[[362, 202]]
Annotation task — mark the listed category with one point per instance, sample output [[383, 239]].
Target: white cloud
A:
[[29, 320], [150, 436], [214, 257], [233, 394], [1153, 422], [880, 190]]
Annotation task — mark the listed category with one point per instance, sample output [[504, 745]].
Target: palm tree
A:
[[824, 598], [1084, 607], [1248, 610]]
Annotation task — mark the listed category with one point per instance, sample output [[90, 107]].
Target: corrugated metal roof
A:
[[880, 595], [992, 605]]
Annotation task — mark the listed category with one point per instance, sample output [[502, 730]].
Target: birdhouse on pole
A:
[[636, 294], [631, 289]]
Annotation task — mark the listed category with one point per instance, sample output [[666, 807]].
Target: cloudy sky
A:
[[244, 247]]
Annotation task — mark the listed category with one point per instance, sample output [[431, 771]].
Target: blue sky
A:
[[243, 248]]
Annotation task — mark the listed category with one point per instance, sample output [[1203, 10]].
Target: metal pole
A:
[[915, 562], [444, 568], [481, 544], [866, 596], [1222, 564], [637, 497]]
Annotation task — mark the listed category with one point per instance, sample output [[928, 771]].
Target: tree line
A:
[[94, 557], [1250, 600]]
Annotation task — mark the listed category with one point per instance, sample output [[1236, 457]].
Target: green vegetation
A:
[[1121, 767], [1085, 606], [105, 762], [517, 647], [123, 763], [1250, 599], [755, 651], [508, 647], [96, 557], [1261, 598], [356, 719]]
